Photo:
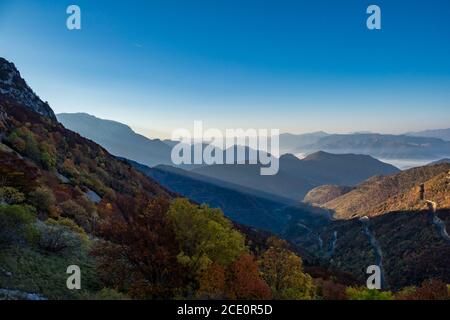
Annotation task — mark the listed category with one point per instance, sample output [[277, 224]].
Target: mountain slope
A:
[[239, 204], [394, 192], [65, 200], [296, 177], [411, 247], [118, 139], [324, 194]]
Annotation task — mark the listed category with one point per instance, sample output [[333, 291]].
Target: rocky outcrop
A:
[[14, 88]]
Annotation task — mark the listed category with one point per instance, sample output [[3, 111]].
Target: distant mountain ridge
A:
[[445, 160], [443, 134], [381, 146], [296, 177], [119, 139]]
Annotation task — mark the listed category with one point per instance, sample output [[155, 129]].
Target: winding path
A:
[[438, 223], [332, 245], [375, 246]]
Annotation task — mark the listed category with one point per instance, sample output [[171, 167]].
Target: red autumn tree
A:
[[139, 256], [212, 283], [244, 280]]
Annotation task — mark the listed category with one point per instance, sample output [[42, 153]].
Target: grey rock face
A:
[[14, 88]]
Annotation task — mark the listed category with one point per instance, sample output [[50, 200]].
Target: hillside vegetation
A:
[[326, 193], [64, 200], [396, 192]]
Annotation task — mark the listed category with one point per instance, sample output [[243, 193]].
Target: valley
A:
[[100, 195]]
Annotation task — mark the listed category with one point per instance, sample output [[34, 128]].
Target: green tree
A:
[[48, 160], [16, 224], [283, 272], [205, 236], [31, 145]]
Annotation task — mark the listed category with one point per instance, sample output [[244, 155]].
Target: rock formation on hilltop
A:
[[14, 89]]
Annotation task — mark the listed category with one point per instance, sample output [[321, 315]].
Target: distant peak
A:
[[13, 88], [289, 156], [83, 116], [318, 155]]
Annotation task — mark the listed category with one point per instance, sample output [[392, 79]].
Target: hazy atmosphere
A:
[[224, 150], [296, 66]]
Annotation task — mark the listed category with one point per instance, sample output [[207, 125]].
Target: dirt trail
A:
[[332, 245], [375, 246], [437, 222]]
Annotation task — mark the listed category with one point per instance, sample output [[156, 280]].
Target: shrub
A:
[[55, 237], [16, 224], [48, 160], [71, 225], [43, 199], [10, 195], [71, 209]]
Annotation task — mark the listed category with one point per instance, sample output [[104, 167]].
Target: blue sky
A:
[[298, 66]]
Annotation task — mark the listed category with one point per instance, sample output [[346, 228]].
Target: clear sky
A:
[[294, 65]]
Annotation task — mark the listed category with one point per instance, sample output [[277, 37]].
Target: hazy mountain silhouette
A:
[[119, 139], [290, 142], [296, 177], [445, 160], [381, 146], [443, 134]]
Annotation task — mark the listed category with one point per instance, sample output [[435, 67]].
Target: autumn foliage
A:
[[139, 254]]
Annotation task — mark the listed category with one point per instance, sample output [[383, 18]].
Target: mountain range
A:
[[443, 134], [119, 139], [380, 146], [66, 200], [297, 176]]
